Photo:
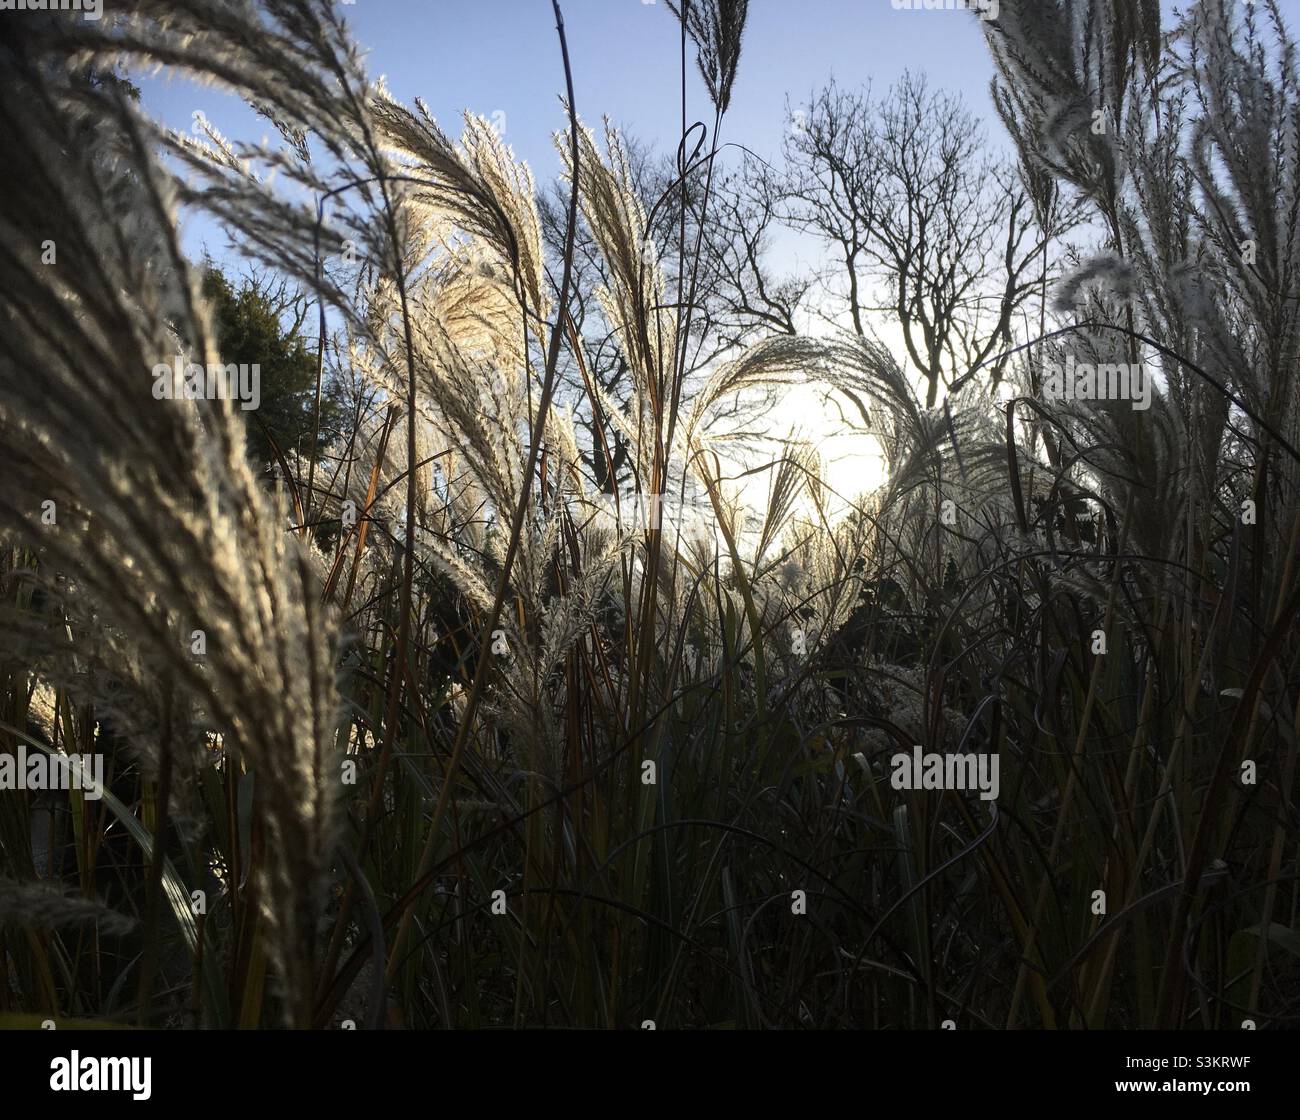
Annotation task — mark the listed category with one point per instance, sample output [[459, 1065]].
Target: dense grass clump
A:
[[435, 730]]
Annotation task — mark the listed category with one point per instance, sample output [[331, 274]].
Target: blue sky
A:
[[502, 57]]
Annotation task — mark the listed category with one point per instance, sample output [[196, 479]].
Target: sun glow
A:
[[851, 460]]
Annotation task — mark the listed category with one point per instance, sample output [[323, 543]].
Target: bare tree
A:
[[924, 227], [747, 298]]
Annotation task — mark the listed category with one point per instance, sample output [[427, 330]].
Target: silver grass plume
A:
[[160, 519], [47, 906], [716, 27], [635, 300]]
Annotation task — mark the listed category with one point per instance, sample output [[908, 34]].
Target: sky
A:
[[501, 58], [625, 56]]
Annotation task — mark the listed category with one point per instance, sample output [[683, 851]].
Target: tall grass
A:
[[464, 750]]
